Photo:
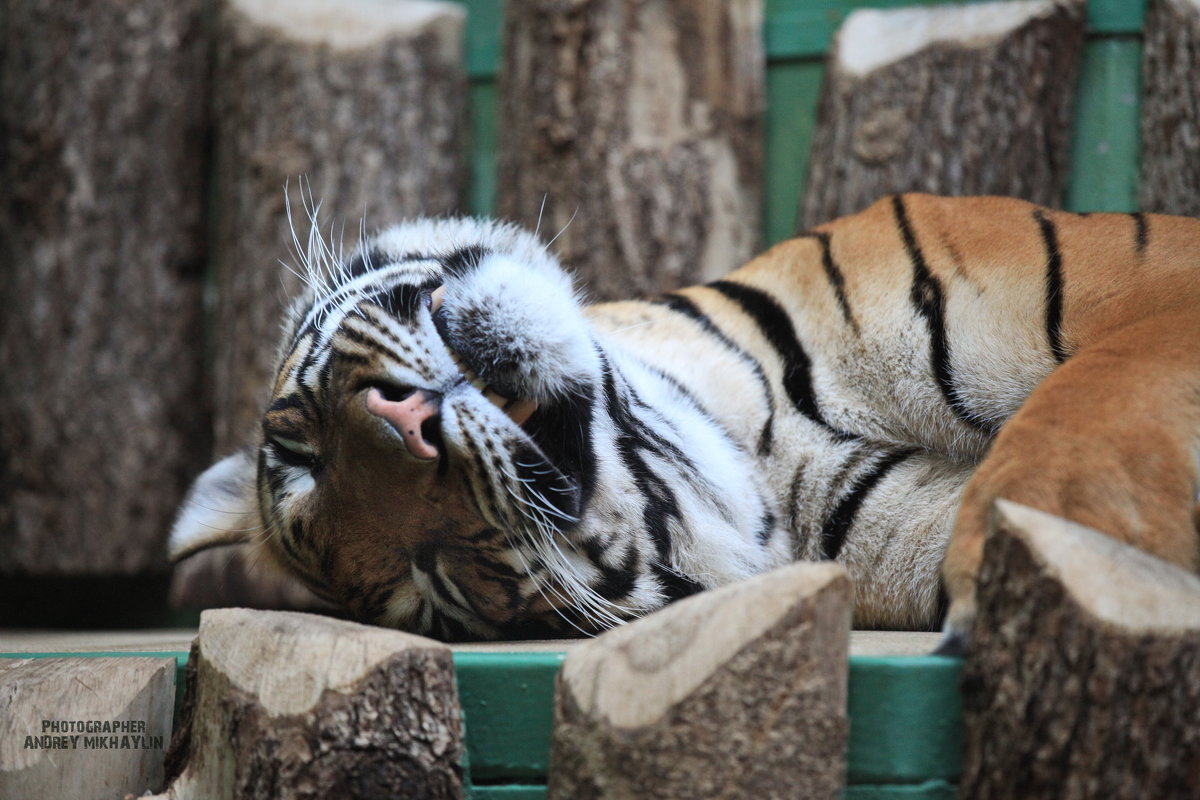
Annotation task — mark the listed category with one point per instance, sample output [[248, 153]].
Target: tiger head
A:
[[426, 452]]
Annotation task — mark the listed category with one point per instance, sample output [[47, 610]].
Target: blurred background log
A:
[[1170, 180], [365, 99], [952, 100], [103, 418], [639, 125]]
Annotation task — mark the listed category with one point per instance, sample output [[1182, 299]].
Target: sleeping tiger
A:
[[457, 446]]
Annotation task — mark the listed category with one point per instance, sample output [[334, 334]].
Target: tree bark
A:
[[103, 416], [1083, 674], [287, 705], [1170, 181], [639, 126], [956, 100], [365, 99], [739, 692], [51, 710]]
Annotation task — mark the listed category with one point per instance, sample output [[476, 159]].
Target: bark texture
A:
[[66, 763], [1170, 180], [103, 417], [739, 692], [969, 112], [287, 705], [1083, 675], [366, 102], [639, 125]]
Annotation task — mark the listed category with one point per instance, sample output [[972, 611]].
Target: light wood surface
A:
[[862, 643]]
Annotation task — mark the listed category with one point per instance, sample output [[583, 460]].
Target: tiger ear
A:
[[221, 508]]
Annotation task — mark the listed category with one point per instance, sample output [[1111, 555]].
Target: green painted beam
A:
[[905, 719], [508, 709], [1106, 143], [792, 91]]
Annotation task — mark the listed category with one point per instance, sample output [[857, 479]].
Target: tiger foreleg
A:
[[1109, 440]]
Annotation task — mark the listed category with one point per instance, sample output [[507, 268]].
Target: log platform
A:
[[506, 691]]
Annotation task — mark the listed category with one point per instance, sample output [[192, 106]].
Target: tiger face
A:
[[428, 457]]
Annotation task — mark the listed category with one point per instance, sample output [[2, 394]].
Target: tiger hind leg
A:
[[1111, 439]]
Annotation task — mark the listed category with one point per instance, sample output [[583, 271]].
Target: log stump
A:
[[84, 727], [288, 705], [1170, 179], [1083, 675], [956, 100], [365, 99], [639, 126], [103, 414], [737, 692]]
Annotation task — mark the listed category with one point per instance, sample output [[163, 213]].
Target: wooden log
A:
[[103, 415], [973, 99], [367, 100], [288, 705], [738, 692], [1170, 179], [84, 727], [1083, 675], [639, 125]]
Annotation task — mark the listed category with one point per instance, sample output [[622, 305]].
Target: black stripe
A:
[[1142, 237], [675, 585], [659, 503], [403, 300], [774, 323], [367, 261], [1054, 286], [836, 280], [837, 526], [682, 305], [927, 298], [463, 261]]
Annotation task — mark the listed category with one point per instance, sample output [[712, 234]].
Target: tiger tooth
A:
[[479, 383], [495, 398]]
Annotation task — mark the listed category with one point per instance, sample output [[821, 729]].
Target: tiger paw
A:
[[519, 328]]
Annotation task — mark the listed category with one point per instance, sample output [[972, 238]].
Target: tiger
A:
[[457, 445]]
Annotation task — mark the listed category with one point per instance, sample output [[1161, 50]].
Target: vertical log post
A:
[[76, 728], [1170, 181], [737, 692], [639, 126], [1083, 674], [284, 705], [972, 99], [103, 418], [367, 100]]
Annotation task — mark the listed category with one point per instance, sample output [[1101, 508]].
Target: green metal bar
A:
[[484, 144], [1106, 144], [792, 91]]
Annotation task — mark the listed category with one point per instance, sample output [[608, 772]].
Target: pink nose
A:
[[408, 416]]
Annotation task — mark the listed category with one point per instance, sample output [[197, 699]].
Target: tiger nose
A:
[[414, 417]]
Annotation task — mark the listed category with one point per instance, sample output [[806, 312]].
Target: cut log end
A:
[[295, 705], [355, 24], [1084, 667], [735, 692], [870, 38]]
